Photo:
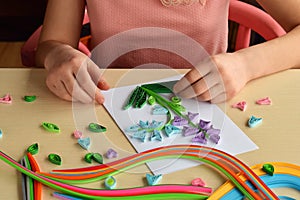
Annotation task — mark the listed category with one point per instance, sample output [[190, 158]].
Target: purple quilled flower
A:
[[189, 131], [213, 131], [179, 121], [214, 138], [200, 138], [192, 116], [205, 125]]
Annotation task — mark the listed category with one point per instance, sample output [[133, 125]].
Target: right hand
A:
[[73, 76]]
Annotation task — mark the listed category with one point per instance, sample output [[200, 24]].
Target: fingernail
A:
[[103, 85], [100, 100]]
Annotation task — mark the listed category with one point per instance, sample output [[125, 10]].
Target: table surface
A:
[[277, 138]]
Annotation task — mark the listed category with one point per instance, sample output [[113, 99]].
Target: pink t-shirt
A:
[[164, 35]]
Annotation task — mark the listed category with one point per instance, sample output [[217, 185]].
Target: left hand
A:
[[216, 79]]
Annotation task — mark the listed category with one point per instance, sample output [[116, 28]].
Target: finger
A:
[[75, 90], [220, 98], [212, 93], [199, 87], [86, 83], [192, 76], [97, 77], [102, 84], [59, 90]]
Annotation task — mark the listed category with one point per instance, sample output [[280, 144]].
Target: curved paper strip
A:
[[192, 152], [101, 194], [286, 175], [113, 167]]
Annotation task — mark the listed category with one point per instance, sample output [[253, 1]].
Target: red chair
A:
[[247, 16], [252, 18], [29, 48]]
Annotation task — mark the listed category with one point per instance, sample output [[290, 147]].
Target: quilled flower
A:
[[179, 121], [214, 138], [156, 135], [205, 125], [192, 116], [213, 131], [200, 138], [186, 131], [111, 154], [170, 130]]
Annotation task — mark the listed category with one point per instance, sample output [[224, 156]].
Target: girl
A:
[[216, 79]]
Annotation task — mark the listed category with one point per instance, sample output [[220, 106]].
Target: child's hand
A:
[[72, 76], [216, 79]]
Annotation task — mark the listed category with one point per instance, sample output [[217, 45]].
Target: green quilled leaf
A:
[[132, 98], [33, 149], [98, 158], [30, 98], [141, 101], [97, 128], [88, 157], [51, 127], [268, 168], [157, 88], [55, 159]]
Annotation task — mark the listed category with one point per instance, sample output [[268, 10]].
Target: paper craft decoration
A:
[[232, 141]]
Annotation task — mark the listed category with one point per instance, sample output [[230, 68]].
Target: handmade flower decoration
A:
[[178, 120]]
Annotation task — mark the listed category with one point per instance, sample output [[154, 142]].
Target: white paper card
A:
[[233, 140]]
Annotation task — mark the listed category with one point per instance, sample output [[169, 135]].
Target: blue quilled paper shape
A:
[[84, 143], [170, 130], [159, 110], [254, 121], [155, 124], [141, 135], [153, 180], [133, 128], [144, 124], [156, 136]]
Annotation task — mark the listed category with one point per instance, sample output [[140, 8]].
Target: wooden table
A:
[[278, 137]]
